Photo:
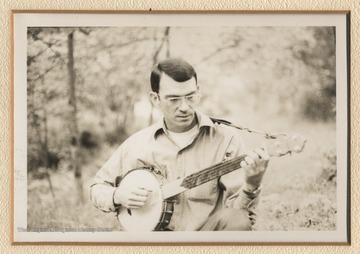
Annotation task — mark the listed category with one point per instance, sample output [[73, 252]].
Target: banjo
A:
[[156, 214]]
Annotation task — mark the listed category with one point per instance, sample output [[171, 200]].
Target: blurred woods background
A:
[[88, 91]]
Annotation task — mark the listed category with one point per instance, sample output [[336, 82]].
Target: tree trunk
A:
[[74, 144], [46, 151]]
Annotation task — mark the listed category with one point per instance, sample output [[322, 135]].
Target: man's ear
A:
[[154, 98]]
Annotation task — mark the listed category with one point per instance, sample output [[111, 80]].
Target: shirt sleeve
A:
[[103, 187]]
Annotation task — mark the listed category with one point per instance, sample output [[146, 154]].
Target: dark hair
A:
[[176, 68]]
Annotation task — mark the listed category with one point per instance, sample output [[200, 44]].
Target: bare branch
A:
[[164, 39], [49, 46], [44, 73], [85, 31], [234, 44]]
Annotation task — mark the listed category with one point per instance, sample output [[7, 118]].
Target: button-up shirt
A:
[[153, 147]]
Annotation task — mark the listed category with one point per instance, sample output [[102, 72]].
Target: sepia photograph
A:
[[181, 127]]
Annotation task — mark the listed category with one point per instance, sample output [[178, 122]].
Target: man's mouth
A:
[[184, 116]]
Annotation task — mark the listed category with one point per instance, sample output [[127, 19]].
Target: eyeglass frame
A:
[[181, 99]]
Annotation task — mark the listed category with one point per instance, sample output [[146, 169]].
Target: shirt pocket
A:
[[205, 193]]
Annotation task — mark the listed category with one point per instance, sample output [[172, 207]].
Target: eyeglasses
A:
[[190, 100]]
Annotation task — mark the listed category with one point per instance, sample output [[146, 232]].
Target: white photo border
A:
[[22, 20]]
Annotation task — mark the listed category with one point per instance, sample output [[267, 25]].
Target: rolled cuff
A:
[[102, 196]]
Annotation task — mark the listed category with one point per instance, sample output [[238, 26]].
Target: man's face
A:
[[177, 100]]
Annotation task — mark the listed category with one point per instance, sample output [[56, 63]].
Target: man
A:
[[183, 142]]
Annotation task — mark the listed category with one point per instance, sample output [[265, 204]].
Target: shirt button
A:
[[180, 153]]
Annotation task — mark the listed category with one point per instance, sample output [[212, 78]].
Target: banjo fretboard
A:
[[212, 172]]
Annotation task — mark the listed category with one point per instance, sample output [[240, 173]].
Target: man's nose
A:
[[183, 105]]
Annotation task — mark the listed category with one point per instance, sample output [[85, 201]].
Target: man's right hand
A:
[[131, 198]]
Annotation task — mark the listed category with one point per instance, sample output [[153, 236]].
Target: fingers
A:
[[259, 154], [136, 204], [252, 159], [138, 197], [132, 198], [262, 154], [255, 158], [141, 192]]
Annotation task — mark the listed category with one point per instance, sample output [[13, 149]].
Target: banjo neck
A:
[[156, 213], [201, 177], [279, 147], [212, 172]]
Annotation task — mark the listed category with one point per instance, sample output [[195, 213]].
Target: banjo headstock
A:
[[283, 145]]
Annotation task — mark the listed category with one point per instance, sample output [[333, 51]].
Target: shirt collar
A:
[[203, 121]]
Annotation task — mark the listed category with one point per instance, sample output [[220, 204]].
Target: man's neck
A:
[[189, 127], [183, 139]]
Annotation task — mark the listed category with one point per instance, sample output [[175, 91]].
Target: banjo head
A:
[[147, 217]]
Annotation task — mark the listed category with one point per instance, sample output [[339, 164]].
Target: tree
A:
[[73, 122]]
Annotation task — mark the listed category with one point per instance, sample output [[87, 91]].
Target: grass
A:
[[299, 191]]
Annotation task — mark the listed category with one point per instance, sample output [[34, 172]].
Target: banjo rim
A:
[[167, 206]]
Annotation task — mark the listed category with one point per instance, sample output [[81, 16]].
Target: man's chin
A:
[[181, 125]]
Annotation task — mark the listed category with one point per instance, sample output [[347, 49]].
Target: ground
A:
[[298, 193]]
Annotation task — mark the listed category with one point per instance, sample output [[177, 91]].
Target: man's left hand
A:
[[255, 164]]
